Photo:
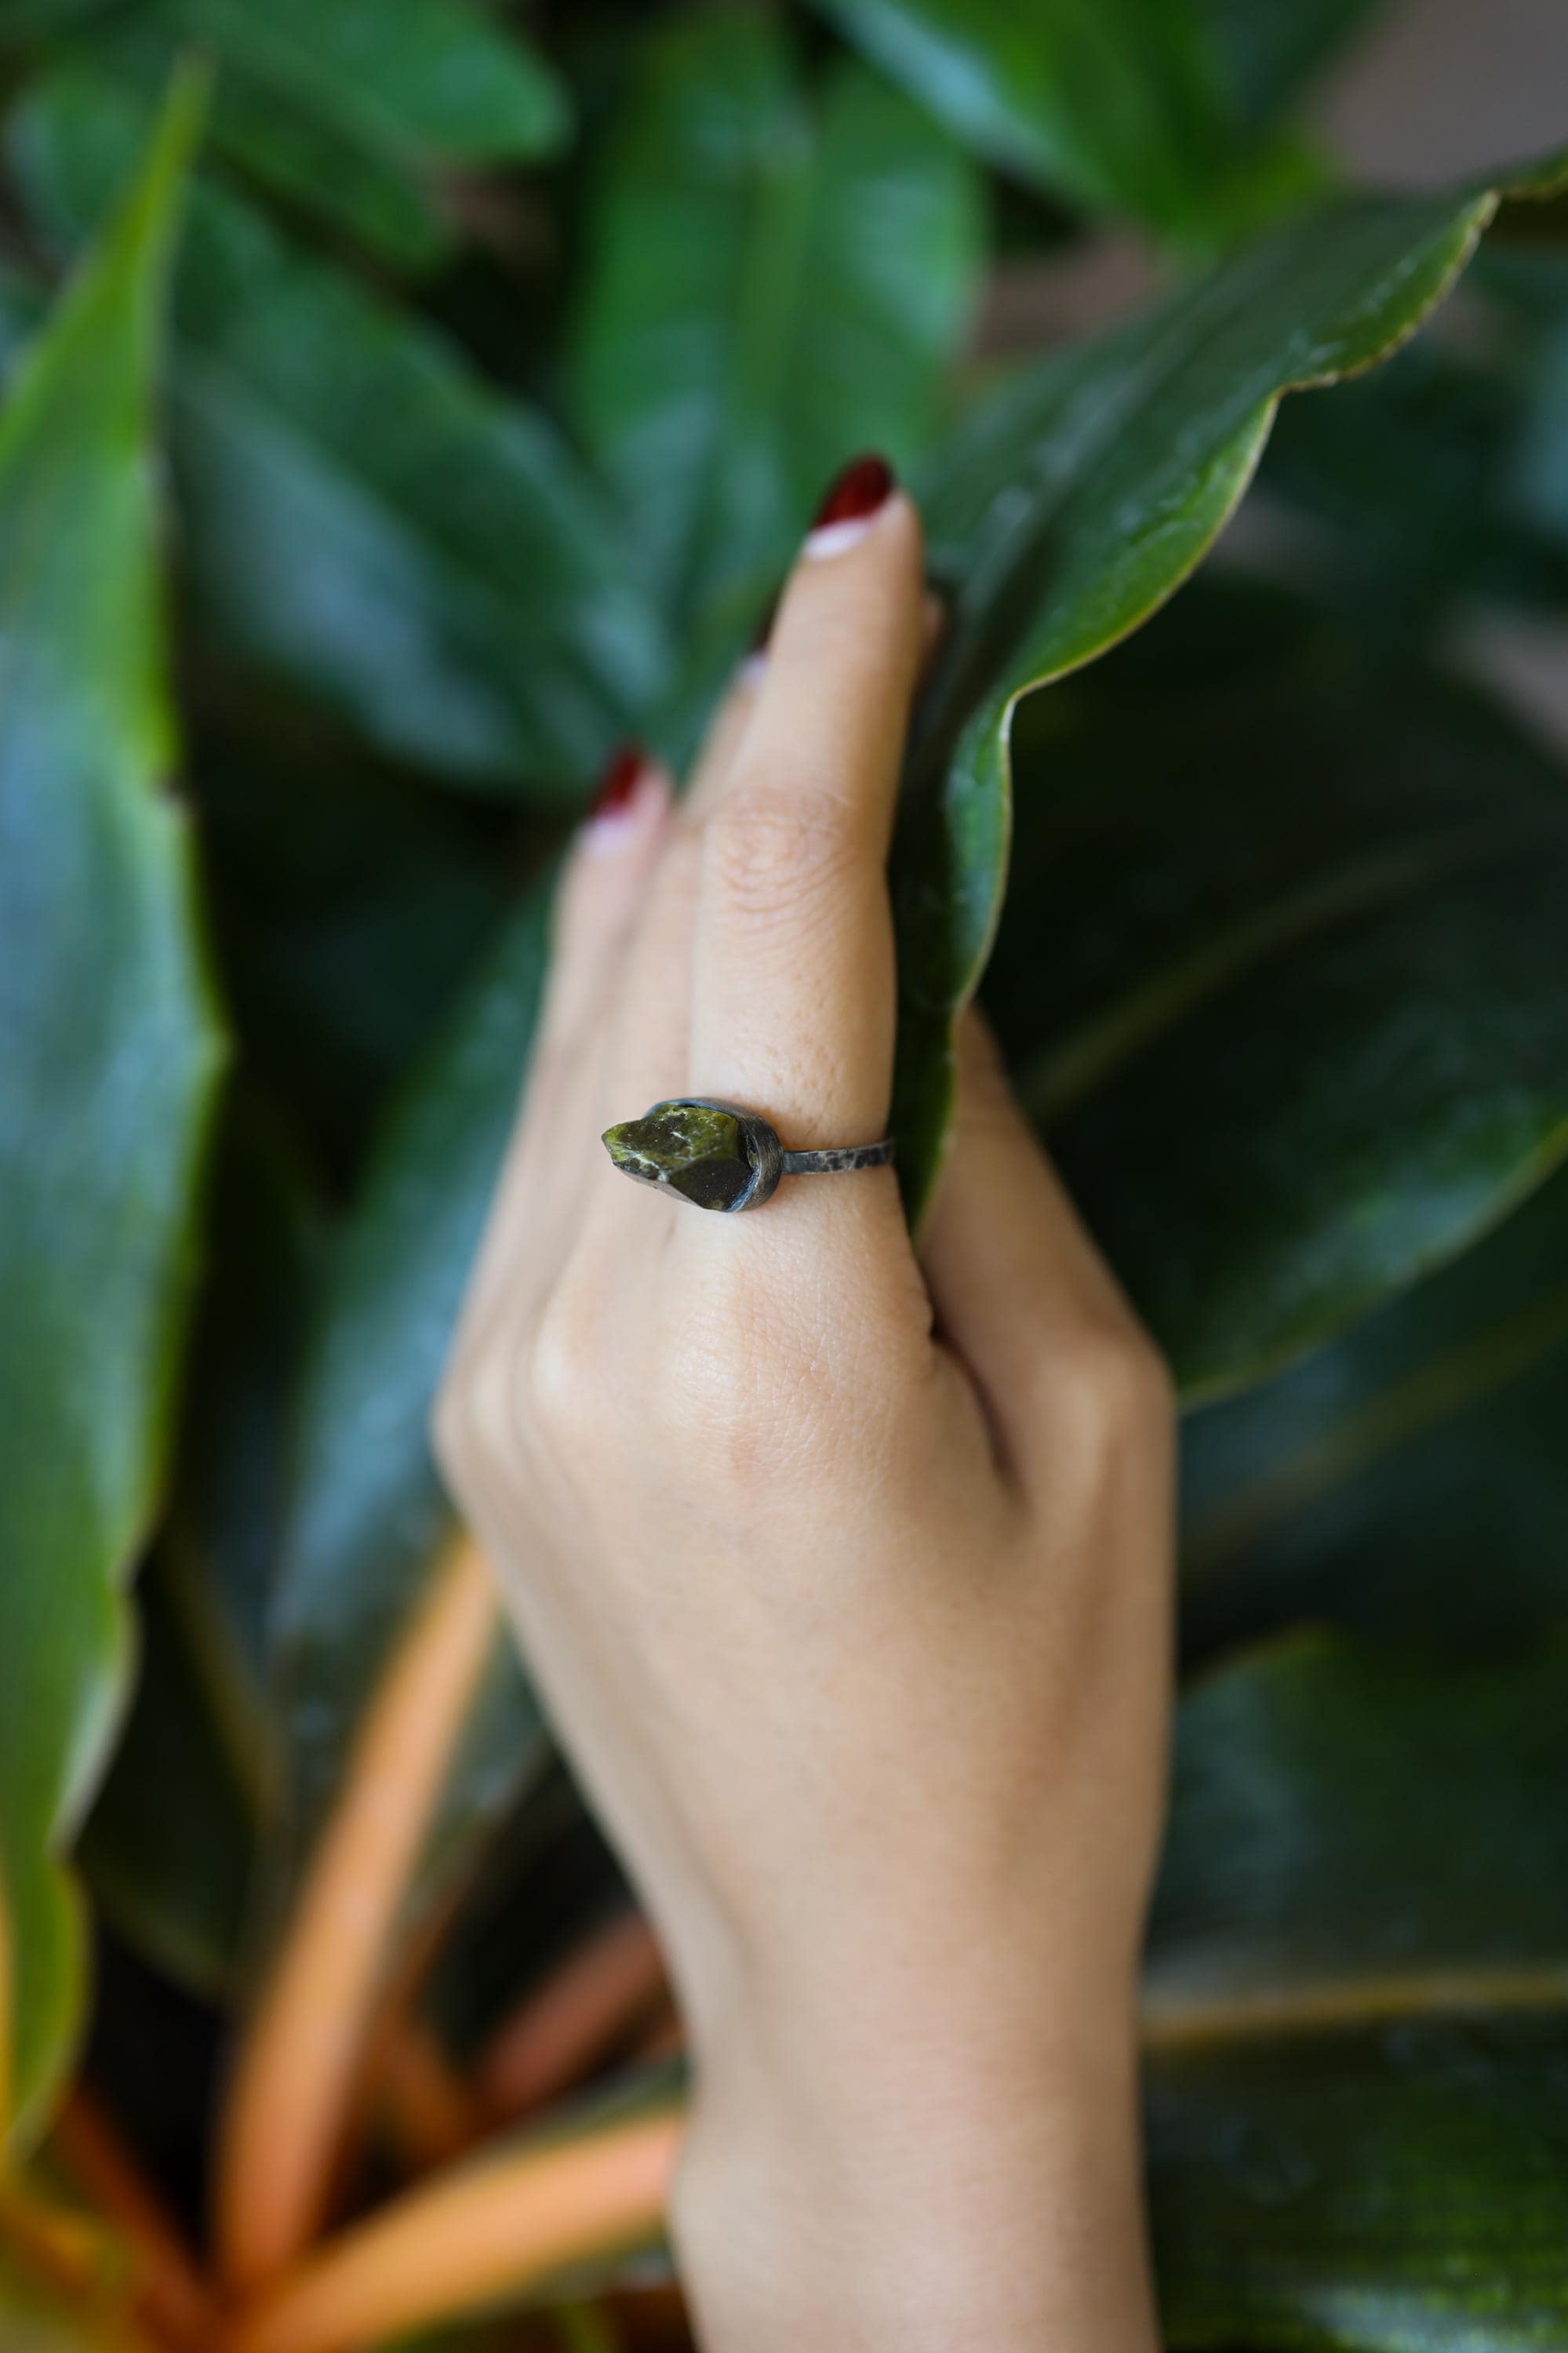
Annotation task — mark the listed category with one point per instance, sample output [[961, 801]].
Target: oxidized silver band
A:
[[731, 1162]]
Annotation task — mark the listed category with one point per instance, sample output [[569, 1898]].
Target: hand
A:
[[845, 1571]]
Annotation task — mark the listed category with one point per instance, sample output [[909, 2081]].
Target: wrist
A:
[[946, 2186]]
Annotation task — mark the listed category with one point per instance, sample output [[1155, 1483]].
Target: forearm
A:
[[925, 2198]]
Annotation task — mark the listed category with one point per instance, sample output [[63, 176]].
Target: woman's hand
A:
[[844, 1570]]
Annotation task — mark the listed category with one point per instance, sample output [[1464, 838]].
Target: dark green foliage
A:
[[109, 1049], [506, 353]]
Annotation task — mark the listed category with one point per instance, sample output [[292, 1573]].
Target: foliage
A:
[[499, 367]]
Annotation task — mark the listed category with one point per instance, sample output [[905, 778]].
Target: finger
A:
[[792, 982], [648, 1028], [647, 1047], [602, 886], [1018, 1286], [727, 731]]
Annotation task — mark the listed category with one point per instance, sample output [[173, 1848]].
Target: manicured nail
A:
[[615, 795], [850, 507]]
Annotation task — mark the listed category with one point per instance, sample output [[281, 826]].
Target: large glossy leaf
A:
[[1355, 1827], [368, 1516], [354, 111], [1272, 50], [1295, 1038], [1357, 2005], [169, 1849], [347, 910], [363, 516], [109, 1049], [1117, 106], [774, 284], [1391, 2190], [1367, 1483], [1533, 286], [1076, 501], [23, 21], [1418, 488]]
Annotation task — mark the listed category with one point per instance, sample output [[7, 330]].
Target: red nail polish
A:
[[618, 782], [865, 484]]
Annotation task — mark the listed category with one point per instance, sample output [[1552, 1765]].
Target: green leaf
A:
[[1357, 2005], [1116, 105], [108, 1054], [24, 21], [1417, 487], [1324, 1012], [363, 516], [347, 912], [1395, 2190], [354, 111], [169, 1849], [773, 285], [1356, 1829], [1274, 50], [369, 1517], [1366, 1483], [1074, 504]]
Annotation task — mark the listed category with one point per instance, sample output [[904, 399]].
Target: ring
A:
[[719, 1155]]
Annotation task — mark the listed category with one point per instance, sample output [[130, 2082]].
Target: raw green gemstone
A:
[[698, 1153]]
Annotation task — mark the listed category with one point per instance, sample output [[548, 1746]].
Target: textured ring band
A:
[[719, 1155]]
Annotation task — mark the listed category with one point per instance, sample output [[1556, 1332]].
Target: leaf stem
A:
[[428, 2110], [68, 2255], [175, 2300], [502, 2227], [299, 2065], [610, 1985]]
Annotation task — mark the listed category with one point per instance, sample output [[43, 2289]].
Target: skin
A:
[[844, 1570]]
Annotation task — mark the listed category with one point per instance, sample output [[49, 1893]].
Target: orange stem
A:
[[427, 2108], [501, 2228], [598, 1996], [663, 2037], [71, 2259], [299, 2061], [652, 2319], [175, 2300]]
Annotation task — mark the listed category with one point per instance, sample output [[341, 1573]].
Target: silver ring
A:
[[719, 1155]]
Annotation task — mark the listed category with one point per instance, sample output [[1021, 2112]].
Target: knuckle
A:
[[1124, 1373], [1109, 1385], [735, 1401], [560, 1383], [767, 847]]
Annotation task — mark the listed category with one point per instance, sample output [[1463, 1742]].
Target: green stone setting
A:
[[696, 1152]]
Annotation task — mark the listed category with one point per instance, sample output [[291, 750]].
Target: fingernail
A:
[[615, 795], [851, 505]]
